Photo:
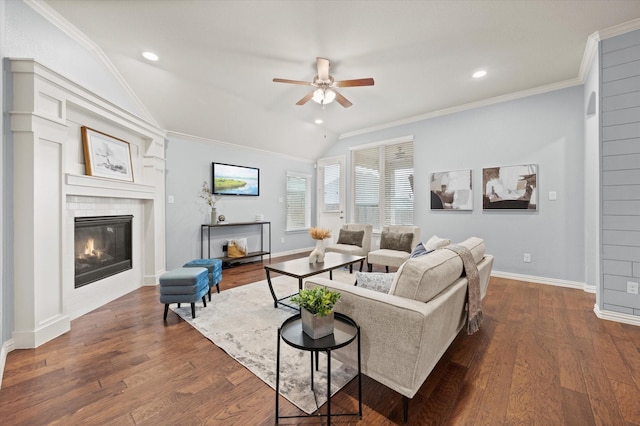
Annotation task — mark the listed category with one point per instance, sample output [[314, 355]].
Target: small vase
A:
[[317, 255], [214, 216], [315, 326]]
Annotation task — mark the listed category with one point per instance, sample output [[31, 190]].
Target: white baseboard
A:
[[7, 347], [542, 280], [616, 316]]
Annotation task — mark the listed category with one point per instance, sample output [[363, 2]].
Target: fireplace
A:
[[102, 247]]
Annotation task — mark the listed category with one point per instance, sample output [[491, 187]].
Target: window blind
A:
[[383, 185], [298, 201], [331, 187]]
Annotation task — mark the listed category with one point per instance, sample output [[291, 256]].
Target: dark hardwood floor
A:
[[541, 357]]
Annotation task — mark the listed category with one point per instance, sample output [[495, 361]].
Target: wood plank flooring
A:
[[541, 358]]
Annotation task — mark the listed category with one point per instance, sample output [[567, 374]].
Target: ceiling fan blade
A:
[[284, 80], [323, 69], [341, 100], [354, 83], [305, 99]]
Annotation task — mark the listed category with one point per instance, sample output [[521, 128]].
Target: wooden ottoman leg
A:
[[204, 301], [166, 310], [193, 310]]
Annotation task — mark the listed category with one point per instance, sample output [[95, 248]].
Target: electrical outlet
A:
[[632, 287], [282, 240], [526, 258]]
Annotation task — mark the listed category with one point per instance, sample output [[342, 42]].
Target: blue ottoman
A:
[[214, 266], [184, 285]]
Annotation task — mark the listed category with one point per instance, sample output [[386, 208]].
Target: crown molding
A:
[[81, 38], [617, 30]]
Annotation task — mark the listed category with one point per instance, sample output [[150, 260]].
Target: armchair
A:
[[396, 244], [351, 241]]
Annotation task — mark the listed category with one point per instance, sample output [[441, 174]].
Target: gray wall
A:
[[620, 61], [189, 165], [546, 129]]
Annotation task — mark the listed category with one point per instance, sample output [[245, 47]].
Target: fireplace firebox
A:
[[102, 247]]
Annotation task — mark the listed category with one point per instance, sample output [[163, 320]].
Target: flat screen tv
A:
[[235, 180]]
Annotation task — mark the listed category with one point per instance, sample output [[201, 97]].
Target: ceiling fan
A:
[[325, 86]]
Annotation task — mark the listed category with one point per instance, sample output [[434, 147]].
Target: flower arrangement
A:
[[319, 233], [318, 300], [206, 195]]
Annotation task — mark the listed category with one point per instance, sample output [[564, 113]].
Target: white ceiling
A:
[[218, 59]]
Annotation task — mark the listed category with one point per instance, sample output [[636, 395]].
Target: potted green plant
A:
[[316, 309]]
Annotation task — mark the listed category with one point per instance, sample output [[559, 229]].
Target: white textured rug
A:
[[243, 322]]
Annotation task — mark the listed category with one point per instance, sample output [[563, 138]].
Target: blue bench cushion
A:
[[214, 266], [184, 298], [184, 276], [184, 289]]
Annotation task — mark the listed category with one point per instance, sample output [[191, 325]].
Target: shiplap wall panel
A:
[[620, 125], [621, 177], [621, 192], [621, 116], [625, 100], [624, 146], [619, 72], [621, 222], [621, 162]]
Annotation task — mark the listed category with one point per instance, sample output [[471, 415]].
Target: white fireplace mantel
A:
[[51, 189]]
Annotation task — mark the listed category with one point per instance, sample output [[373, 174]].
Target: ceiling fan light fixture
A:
[[324, 96]]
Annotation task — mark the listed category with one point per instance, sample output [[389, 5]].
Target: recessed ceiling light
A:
[[479, 74], [318, 121], [150, 56]]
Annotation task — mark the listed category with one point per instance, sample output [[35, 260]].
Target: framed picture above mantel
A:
[[106, 156]]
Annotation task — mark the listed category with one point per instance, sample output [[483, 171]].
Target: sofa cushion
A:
[[436, 242], [396, 241], [353, 238], [376, 281], [424, 277]]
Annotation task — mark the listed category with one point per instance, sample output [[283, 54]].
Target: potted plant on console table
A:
[[316, 310]]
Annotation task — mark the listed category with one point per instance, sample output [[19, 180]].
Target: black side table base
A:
[[314, 352]]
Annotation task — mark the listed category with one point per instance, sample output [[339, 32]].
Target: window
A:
[[331, 186], [383, 184], [298, 201]]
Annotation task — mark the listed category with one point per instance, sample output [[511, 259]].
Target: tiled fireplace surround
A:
[[50, 189]]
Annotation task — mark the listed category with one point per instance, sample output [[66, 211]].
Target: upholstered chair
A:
[[396, 244], [354, 239]]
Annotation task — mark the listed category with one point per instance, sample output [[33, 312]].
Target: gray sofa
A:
[[405, 333]]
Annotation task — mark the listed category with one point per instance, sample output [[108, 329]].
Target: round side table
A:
[[345, 331]]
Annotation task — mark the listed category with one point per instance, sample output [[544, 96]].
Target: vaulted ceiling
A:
[[218, 58]]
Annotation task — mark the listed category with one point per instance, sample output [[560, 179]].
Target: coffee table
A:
[[301, 269]]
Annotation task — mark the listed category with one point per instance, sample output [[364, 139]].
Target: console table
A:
[[262, 252]]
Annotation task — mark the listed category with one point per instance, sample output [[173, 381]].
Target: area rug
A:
[[243, 322]]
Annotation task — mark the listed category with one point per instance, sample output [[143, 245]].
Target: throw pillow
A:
[[419, 250], [237, 247], [352, 238], [396, 241], [376, 281], [436, 242]]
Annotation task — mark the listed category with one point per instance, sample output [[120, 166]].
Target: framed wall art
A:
[[451, 190], [510, 187], [106, 156]]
